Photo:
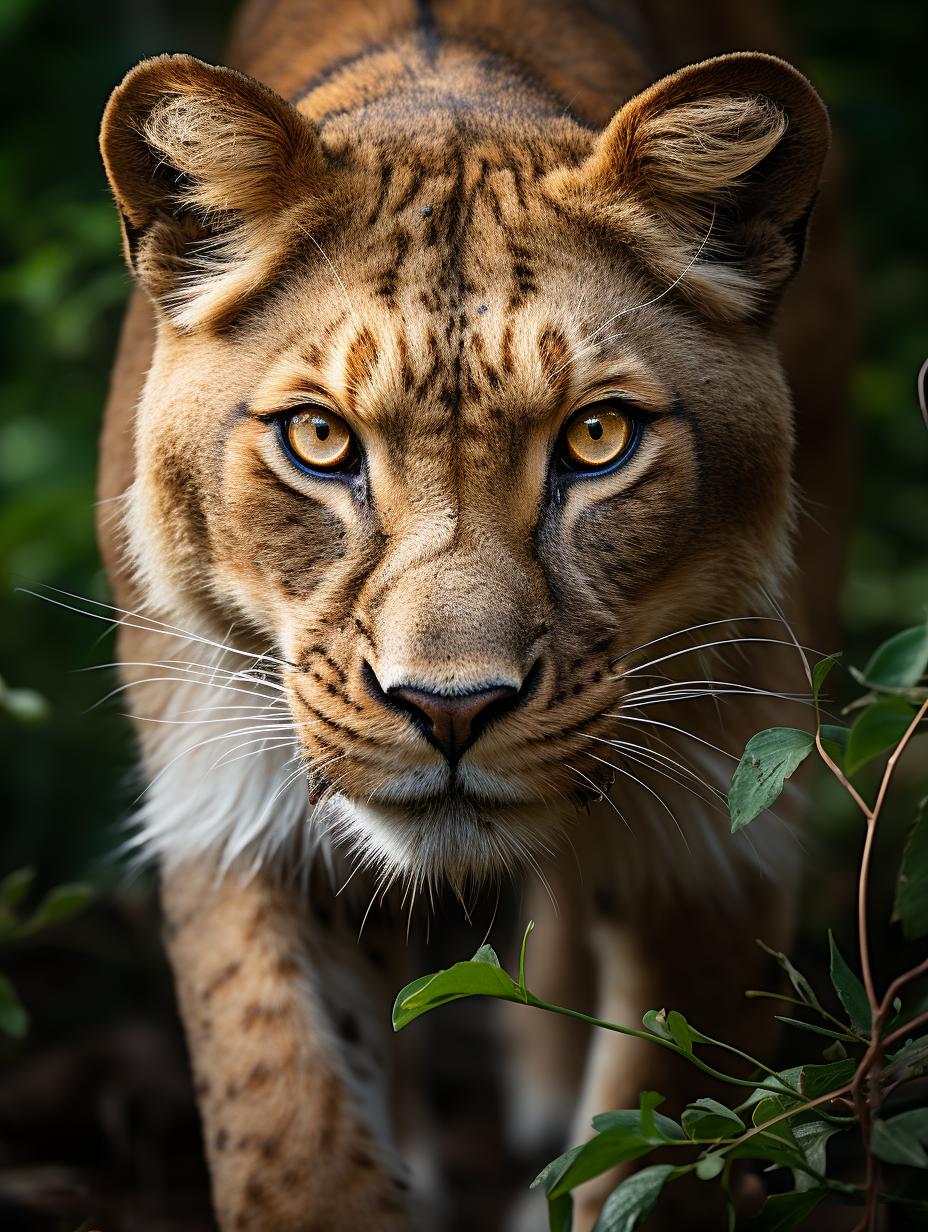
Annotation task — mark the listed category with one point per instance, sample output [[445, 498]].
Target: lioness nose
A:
[[453, 723]]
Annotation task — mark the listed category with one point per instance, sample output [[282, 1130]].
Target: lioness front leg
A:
[[699, 958], [287, 1060]]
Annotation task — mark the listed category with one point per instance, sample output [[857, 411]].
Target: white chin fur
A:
[[453, 840]]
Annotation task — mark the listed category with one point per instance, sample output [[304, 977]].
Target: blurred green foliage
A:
[[68, 779], [873, 83], [67, 768]]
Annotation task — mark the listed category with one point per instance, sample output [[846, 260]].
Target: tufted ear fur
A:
[[721, 159], [211, 172]]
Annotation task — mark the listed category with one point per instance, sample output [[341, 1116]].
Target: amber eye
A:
[[321, 440], [597, 438]]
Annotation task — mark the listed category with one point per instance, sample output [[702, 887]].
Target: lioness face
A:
[[460, 447]]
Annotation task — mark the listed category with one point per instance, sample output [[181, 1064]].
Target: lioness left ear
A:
[[709, 176], [212, 174]]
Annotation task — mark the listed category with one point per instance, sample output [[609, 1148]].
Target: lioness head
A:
[[454, 403]]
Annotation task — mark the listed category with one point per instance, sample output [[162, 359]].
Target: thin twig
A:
[[920, 1020], [900, 982], [837, 771], [865, 1090], [863, 881]]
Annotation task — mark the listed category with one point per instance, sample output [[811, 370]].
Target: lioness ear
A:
[[710, 176], [211, 173]]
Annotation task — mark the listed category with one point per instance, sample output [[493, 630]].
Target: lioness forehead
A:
[[450, 291]]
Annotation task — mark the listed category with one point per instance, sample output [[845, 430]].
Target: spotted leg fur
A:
[[288, 1060]]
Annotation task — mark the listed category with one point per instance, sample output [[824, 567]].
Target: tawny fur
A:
[[454, 224]]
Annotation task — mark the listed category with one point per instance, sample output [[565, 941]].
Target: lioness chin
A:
[[456, 521]]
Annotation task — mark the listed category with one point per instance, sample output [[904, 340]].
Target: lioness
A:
[[450, 392]]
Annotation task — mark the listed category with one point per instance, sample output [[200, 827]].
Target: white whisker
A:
[[649, 790], [153, 626], [627, 718], [730, 641]]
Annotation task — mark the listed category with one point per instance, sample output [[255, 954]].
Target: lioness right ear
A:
[[212, 173], [709, 176]]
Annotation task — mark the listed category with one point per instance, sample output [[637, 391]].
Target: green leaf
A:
[[647, 1102], [813, 1137], [902, 661], [486, 954], [655, 1021], [561, 1214], [835, 1051], [481, 977], [58, 905], [911, 1061], [768, 1146], [911, 906], [13, 1017], [621, 1136], [581, 1163], [834, 741], [633, 1200], [709, 1167], [914, 1122], [680, 1031], [789, 1078], [15, 886], [799, 982], [850, 990], [816, 1080], [895, 1144], [768, 760], [665, 1129], [551, 1173], [797, 1081], [878, 728], [707, 1118], [816, 1029], [774, 1106], [785, 1211], [820, 673]]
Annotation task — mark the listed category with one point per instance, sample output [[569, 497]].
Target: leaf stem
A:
[[743, 1055], [817, 1009], [782, 1089], [838, 772]]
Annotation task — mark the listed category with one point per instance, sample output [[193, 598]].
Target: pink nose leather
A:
[[453, 723]]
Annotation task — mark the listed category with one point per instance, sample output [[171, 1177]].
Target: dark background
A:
[[94, 1106]]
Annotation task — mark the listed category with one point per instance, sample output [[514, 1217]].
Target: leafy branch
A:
[[790, 1116]]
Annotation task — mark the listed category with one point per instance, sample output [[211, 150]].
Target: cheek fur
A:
[[268, 530], [613, 548]]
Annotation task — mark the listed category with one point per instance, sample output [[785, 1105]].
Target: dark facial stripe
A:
[[428, 28], [360, 362], [554, 353]]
